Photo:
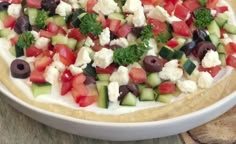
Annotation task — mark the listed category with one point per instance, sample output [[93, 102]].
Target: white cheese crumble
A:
[[158, 13], [148, 8], [153, 45], [82, 57], [75, 70], [113, 91], [42, 43], [51, 75], [106, 7], [122, 42], [121, 76], [171, 71], [211, 59], [63, 9], [58, 65], [83, 3], [104, 37], [139, 18], [103, 58], [132, 6], [205, 80], [5, 44], [74, 4], [89, 42], [14, 10], [35, 34], [187, 86]]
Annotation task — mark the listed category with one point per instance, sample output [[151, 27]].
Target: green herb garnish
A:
[[41, 18], [25, 40], [202, 2], [147, 33], [202, 17]]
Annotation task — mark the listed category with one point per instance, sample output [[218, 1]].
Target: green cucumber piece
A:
[[103, 77], [103, 100], [147, 94], [3, 15], [221, 48], [59, 39], [141, 87], [58, 20], [153, 79], [129, 100], [178, 54], [189, 66], [12, 50], [181, 42], [214, 39], [5, 32], [40, 89], [222, 57], [72, 43], [166, 52], [32, 13], [117, 16], [167, 98], [230, 28], [221, 19], [214, 29]]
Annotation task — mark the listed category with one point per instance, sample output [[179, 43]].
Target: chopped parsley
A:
[[89, 25], [25, 40], [147, 33], [202, 2], [202, 17], [41, 18]]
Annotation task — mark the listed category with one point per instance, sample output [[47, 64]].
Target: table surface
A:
[[16, 128]]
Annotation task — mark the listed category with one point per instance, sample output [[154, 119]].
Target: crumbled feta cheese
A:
[[134, 65], [131, 38], [172, 19], [63, 9], [121, 76], [129, 19], [113, 91], [74, 4], [106, 7], [226, 39], [131, 6], [151, 52], [103, 58], [139, 19], [42, 43], [148, 8], [158, 13], [104, 37], [213, 12], [153, 45], [75, 70], [35, 34], [89, 42], [187, 86], [83, 3], [122, 42], [51, 75], [82, 57], [30, 61], [5, 44], [171, 71], [58, 65], [205, 80], [14, 10], [211, 59]]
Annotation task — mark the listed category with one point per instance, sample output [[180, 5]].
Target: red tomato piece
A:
[[231, 61], [16, 1], [66, 76], [108, 70], [46, 34], [191, 4], [33, 51], [166, 87], [76, 34], [34, 3], [181, 28], [37, 76], [124, 30], [80, 90], [78, 79], [230, 48], [85, 101], [9, 22], [172, 43], [211, 3], [90, 5], [66, 87], [172, 1], [42, 62], [102, 20], [114, 24], [181, 11], [67, 56], [52, 27], [221, 9], [61, 31], [14, 40], [213, 70], [97, 46], [169, 7], [138, 75], [158, 26]]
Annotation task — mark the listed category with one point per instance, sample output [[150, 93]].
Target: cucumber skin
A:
[[40, 89], [129, 100], [147, 94], [103, 99]]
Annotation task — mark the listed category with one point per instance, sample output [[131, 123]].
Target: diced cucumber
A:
[[129, 100], [181, 42], [32, 13], [166, 53], [178, 54], [141, 87], [72, 43], [59, 39], [222, 57], [221, 48], [153, 79], [147, 94], [103, 100], [167, 98], [3, 15], [214, 29], [183, 59], [230, 28], [40, 89], [12, 50], [5, 32], [189, 66], [58, 20], [19, 51], [221, 19], [103, 77], [117, 16], [214, 39]]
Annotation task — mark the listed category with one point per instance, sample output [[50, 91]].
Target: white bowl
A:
[[122, 131]]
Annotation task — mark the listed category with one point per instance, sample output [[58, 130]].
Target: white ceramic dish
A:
[[122, 131]]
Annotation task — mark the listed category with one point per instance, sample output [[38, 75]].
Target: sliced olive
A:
[[22, 25], [123, 90], [113, 36], [4, 6], [137, 31], [20, 69], [133, 89], [188, 48], [152, 64], [199, 35], [203, 47], [50, 5]]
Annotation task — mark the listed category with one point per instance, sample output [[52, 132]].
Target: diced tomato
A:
[[166, 87], [46, 34], [47, 53], [90, 5], [37, 76], [191, 4], [152, 2], [169, 7], [158, 26], [84, 101], [172, 1], [53, 28], [124, 30], [172, 43], [66, 87], [34, 3], [211, 3], [97, 46], [114, 24], [33, 51], [213, 70], [102, 20], [14, 40], [108, 70], [181, 28], [76, 34], [16, 1], [138, 75], [66, 76], [67, 56], [42, 62], [222, 32], [80, 90], [61, 31], [230, 48], [181, 11], [9, 22], [231, 61], [78, 79], [221, 9]]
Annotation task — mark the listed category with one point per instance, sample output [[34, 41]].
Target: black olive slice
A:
[[20, 69], [4, 6], [203, 47], [133, 89], [188, 48], [152, 64], [123, 90], [199, 35], [22, 25]]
